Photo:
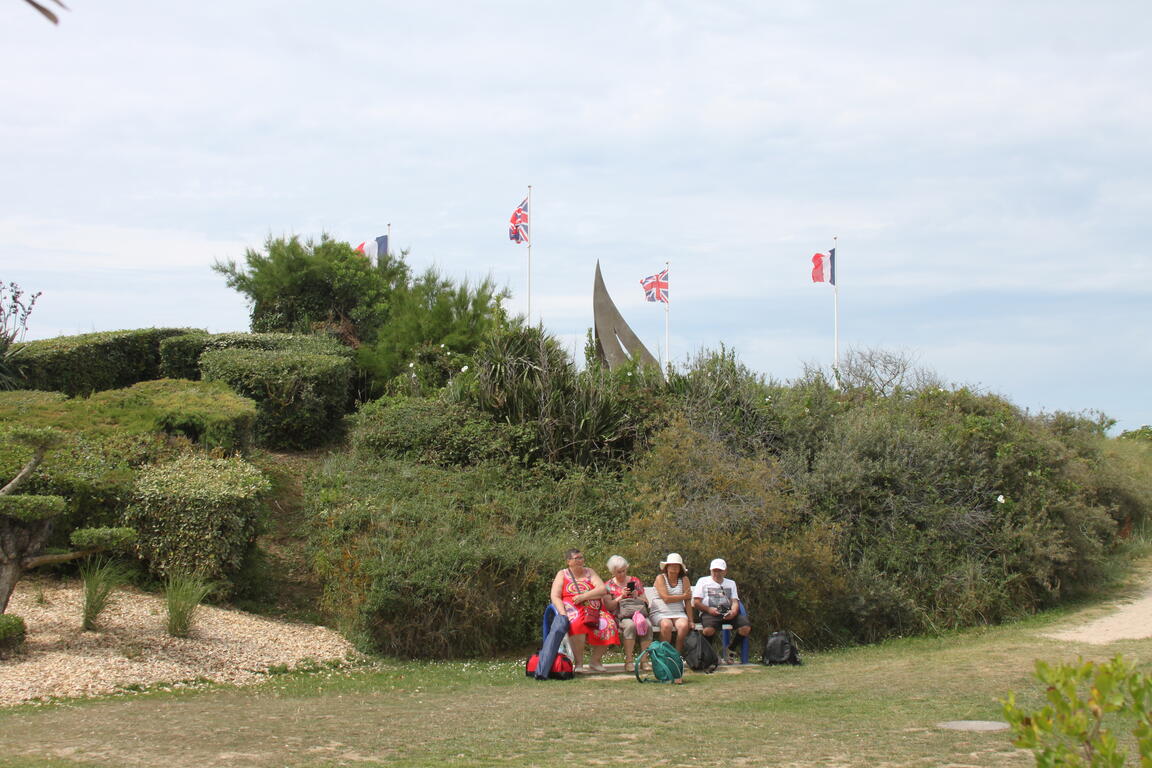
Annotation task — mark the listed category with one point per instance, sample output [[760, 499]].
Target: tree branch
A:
[[63, 557], [23, 474]]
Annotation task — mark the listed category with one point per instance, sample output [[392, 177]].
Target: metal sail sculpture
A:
[[616, 344]]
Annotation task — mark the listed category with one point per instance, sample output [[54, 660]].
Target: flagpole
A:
[[667, 307], [531, 215], [835, 319]]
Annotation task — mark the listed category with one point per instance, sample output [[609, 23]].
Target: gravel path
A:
[[132, 649], [1131, 620]]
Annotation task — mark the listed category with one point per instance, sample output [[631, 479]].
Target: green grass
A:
[[183, 594], [868, 706]]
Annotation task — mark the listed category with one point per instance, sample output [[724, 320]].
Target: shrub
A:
[[183, 594], [434, 431], [1082, 700], [299, 397], [424, 561], [12, 633], [180, 355], [701, 499], [80, 365], [197, 515], [208, 413]]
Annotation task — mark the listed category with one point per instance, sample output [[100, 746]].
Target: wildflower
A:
[[1000, 499], [464, 369], [411, 365]]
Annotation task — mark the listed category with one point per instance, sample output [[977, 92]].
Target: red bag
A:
[[561, 668]]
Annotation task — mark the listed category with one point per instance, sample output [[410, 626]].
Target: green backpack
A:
[[664, 662]]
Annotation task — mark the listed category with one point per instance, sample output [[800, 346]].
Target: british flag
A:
[[518, 224], [656, 286]]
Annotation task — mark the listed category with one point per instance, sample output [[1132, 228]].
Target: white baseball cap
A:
[[718, 564]]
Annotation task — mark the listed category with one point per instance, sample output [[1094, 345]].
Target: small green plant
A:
[[183, 593], [1070, 730], [11, 633], [101, 575]]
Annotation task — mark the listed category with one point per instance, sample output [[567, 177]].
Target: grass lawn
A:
[[874, 706]]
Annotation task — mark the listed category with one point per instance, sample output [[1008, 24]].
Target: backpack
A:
[[699, 654], [780, 648], [666, 664], [561, 667]]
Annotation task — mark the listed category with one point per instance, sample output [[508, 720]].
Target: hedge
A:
[[180, 355], [197, 515], [30, 508], [300, 397], [208, 413], [91, 362]]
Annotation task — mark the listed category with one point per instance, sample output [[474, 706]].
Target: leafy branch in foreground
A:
[[1070, 729]]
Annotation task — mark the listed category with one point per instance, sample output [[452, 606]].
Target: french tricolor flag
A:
[[373, 248], [824, 267]]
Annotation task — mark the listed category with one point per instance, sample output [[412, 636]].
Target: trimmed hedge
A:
[[11, 632], [31, 509], [92, 362], [206, 412], [180, 355], [197, 515], [300, 397]]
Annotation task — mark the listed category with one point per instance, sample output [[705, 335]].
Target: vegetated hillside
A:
[[885, 506]]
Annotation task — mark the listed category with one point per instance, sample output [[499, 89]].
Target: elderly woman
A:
[[576, 593], [626, 598], [673, 608]]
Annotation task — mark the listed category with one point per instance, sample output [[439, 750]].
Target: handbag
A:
[[640, 621]]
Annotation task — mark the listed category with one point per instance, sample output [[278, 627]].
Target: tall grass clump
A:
[[101, 576], [183, 593]]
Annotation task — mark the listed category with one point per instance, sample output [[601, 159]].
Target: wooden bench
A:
[[650, 592], [725, 629]]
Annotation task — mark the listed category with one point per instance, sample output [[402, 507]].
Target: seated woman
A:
[[625, 598], [577, 593], [673, 609]]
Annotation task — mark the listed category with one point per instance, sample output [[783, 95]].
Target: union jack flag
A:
[[656, 286], [518, 224]]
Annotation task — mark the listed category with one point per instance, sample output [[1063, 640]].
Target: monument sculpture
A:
[[616, 344]]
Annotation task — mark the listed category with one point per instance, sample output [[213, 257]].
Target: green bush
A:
[[435, 432], [300, 398], [208, 413], [197, 515], [92, 362], [1084, 702], [700, 498], [180, 355], [425, 561], [12, 633]]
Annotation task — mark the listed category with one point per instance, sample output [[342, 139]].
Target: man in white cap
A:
[[718, 602]]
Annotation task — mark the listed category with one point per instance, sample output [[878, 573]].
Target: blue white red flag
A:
[[518, 224], [656, 286], [370, 249], [824, 267]]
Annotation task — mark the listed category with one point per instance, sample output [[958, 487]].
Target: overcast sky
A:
[[986, 167]]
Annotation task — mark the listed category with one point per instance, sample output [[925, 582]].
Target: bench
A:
[[725, 629], [650, 592]]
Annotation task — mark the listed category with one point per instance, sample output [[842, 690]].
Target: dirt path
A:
[[1131, 620]]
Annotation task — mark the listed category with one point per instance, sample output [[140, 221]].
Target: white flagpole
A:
[[531, 215], [835, 319], [667, 307]]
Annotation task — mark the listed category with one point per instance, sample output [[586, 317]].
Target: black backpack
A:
[[699, 654], [780, 648]]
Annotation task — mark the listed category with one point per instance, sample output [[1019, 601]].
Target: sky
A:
[[984, 168]]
